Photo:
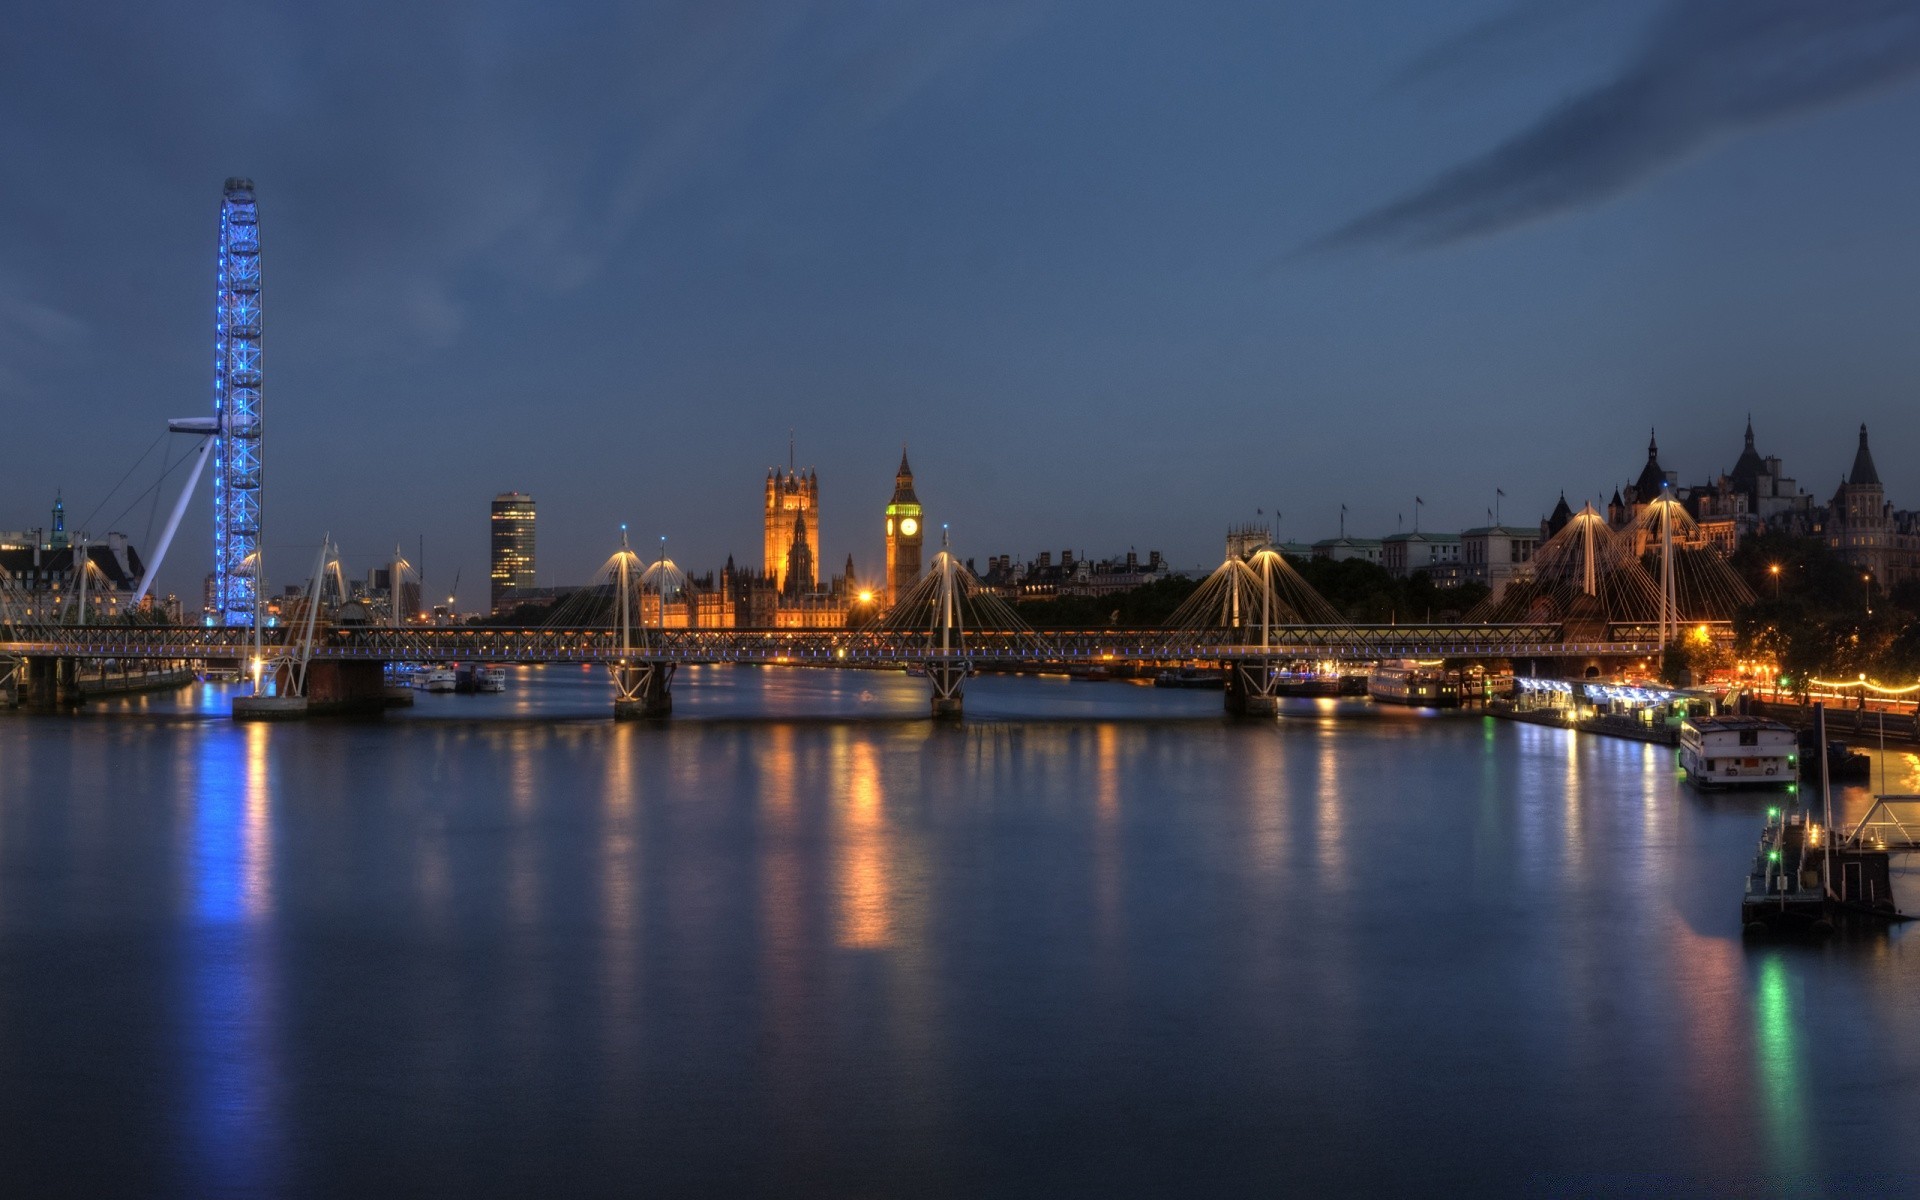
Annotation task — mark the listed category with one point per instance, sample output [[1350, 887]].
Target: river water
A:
[[1098, 941]]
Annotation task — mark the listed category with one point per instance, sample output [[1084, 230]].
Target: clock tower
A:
[[903, 533]]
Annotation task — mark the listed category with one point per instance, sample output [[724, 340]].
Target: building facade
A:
[[1866, 531], [1407, 554], [792, 518], [1494, 554], [512, 568]]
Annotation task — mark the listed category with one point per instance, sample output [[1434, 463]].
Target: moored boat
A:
[[1190, 677], [1720, 752], [1415, 684]]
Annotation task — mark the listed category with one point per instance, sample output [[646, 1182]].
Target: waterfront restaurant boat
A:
[[437, 679], [1739, 752], [1411, 683], [1191, 677]]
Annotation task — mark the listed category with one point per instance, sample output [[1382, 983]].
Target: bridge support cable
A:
[[1697, 584], [949, 623], [1247, 614]]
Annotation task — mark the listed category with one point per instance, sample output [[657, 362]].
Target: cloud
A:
[[1705, 70], [1498, 40]]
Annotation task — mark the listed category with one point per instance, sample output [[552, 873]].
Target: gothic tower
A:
[[792, 495], [903, 533]]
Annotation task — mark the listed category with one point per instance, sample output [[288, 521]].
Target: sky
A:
[[1119, 275]]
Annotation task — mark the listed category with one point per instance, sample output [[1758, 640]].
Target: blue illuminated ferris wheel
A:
[[236, 407]]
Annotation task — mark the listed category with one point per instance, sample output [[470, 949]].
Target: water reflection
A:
[[866, 916], [231, 1070], [1782, 1077]]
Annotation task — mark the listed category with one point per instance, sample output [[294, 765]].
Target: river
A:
[[1099, 941]]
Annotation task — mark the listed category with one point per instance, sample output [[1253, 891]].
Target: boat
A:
[[1721, 752], [1805, 876], [491, 679], [1412, 683], [1190, 677], [1844, 763], [1290, 683], [437, 679]]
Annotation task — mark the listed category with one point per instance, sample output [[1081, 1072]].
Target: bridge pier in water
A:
[[49, 684], [1250, 689], [946, 678], [642, 691]]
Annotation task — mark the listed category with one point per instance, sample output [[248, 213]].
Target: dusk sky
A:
[[1119, 274]]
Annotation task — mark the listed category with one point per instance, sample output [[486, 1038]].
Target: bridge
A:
[[1250, 620]]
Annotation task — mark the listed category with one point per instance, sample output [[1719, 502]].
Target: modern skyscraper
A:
[[512, 531], [792, 513], [903, 533]]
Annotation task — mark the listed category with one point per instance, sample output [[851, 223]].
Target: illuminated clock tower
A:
[[903, 533]]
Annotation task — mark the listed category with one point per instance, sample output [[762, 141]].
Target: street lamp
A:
[[1867, 582], [1774, 570]]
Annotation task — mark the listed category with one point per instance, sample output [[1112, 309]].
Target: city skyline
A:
[[626, 325]]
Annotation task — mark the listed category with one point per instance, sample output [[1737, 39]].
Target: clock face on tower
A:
[[909, 527]]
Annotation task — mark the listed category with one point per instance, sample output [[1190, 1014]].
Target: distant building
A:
[[1438, 554], [513, 569], [792, 517], [1243, 541], [904, 533], [1494, 554], [44, 580], [1757, 494], [1073, 575], [1866, 531], [1340, 549]]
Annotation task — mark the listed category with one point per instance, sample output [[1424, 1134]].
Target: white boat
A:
[[490, 679], [1739, 752], [436, 679]]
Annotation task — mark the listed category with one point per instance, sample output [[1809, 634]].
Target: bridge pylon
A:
[[1244, 607], [642, 681], [946, 614]]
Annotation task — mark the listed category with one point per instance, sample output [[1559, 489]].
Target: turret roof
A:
[[1652, 477], [1863, 474]]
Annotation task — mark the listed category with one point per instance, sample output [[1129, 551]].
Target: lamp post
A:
[[1774, 570], [1866, 582]]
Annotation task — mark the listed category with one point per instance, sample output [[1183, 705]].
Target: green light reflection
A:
[[1777, 1051]]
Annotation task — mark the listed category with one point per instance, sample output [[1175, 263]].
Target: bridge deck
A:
[[601, 645]]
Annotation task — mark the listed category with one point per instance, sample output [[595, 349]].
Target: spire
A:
[[1749, 431], [1652, 477], [1863, 474], [903, 481]]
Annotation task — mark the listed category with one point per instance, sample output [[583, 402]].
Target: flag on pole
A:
[[1498, 492]]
